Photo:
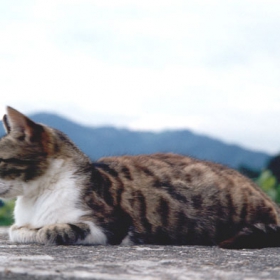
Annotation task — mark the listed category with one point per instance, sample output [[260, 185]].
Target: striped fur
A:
[[64, 198]]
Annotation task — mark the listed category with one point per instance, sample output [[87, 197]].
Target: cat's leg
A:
[[127, 241], [254, 237], [24, 234], [133, 237], [67, 234]]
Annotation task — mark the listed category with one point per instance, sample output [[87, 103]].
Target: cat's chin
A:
[[4, 189], [8, 191], [4, 194]]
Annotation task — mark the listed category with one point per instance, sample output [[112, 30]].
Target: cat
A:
[[64, 198]]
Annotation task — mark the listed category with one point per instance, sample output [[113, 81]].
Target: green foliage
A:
[[269, 184], [6, 213]]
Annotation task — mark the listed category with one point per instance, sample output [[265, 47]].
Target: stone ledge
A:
[[135, 262]]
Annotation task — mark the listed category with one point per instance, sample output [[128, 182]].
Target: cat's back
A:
[[174, 169]]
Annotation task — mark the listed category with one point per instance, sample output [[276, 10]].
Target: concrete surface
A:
[[136, 262]]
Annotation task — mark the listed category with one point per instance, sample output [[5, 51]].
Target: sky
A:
[[209, 66]]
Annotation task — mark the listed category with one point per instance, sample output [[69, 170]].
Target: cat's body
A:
[[64, 198]]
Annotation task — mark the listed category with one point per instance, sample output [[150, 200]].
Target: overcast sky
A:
[[209, 66]]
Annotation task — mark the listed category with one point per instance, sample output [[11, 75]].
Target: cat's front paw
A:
[[58, 234], [23, 234], [62, 234]]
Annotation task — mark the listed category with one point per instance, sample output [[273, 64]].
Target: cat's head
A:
[[24, 152]]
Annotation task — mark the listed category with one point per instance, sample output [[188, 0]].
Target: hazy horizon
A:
[[147, 130]]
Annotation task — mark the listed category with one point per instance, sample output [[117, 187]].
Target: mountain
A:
[[97, 142]]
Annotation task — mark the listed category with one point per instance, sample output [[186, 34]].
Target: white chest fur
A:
[[50, 199]]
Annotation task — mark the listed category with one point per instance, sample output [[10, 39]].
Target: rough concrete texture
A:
[[135, 262]]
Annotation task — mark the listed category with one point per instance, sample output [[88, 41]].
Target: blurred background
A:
[[126, 77]]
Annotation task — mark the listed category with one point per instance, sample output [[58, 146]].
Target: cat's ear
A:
[[16, 121], [6, 124]]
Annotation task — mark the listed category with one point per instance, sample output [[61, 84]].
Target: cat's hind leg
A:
[[254, 237]]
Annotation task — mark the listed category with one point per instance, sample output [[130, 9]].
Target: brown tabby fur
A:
[[173, 199], [154, 199]]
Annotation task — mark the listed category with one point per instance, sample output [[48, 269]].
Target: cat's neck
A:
[[58, 175]]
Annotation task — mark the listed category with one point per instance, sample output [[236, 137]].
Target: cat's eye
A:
[[11, 160], [18, 161]]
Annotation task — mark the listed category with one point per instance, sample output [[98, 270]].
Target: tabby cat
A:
[[65, 198]]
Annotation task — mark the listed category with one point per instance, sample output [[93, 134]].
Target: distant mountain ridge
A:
[[98, 142]]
